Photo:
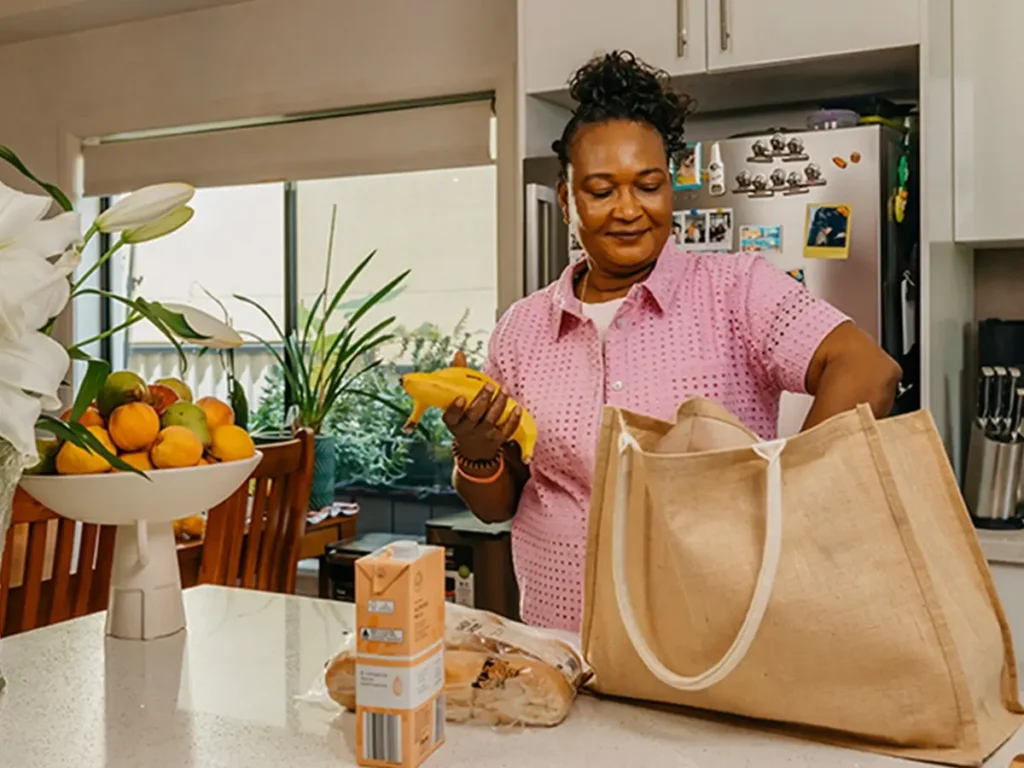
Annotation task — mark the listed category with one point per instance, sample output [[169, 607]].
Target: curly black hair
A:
[[619, 86]]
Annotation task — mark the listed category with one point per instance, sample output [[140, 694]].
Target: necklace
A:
[[583, 286]]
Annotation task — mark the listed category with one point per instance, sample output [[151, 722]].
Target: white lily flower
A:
[[31, 371], [144, 206], [219, 335], [172, 222], [32, 290]]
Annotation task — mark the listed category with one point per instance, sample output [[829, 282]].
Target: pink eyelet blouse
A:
[[728, 327]]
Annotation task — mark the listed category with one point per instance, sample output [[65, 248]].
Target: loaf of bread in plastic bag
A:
[[497, 671]]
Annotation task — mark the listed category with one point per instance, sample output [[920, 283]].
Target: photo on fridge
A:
[[755, 238], [686, 167], [720, 229], [694, 226], [827, 231]]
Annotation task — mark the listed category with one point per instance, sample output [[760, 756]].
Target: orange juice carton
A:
[[400, 620]]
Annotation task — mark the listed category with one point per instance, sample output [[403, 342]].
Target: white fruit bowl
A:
[[145, 586]]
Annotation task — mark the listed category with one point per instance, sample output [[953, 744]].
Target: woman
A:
[[638, 324]]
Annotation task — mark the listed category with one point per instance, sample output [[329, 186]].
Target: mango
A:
[[179, 387], [190, 416], [161, 397], [121, 387], [218, 413], [47, 449]]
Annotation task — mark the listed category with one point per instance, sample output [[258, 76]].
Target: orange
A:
[[72, 460], [138, 459], [218, 413], [134, 426], [91, 417], [176, 447], [231, 443]]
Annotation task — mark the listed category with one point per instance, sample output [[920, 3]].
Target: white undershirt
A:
[[602, 314]]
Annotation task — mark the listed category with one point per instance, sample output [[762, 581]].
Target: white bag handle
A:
[[769, 451]]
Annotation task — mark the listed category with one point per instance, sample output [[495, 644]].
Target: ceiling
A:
[[22, 20]]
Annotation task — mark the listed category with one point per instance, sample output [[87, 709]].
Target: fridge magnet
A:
[[720, 229], [796, 274], [755, 238], [686, 167], [839, 162], [827, 231], [716, 172], [692, 227]]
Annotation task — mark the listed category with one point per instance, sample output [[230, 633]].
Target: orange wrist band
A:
[[484, 480]]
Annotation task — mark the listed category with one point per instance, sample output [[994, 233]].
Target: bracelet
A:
[[462, 464]]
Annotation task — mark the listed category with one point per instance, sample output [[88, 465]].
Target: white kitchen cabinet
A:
[[742, 34], [558, 36], [988, 112]]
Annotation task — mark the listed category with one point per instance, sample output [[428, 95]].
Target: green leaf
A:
[[175, 321], [143, 307], [340, 293], [92, 383], [76, 434], [273, 323], [312, 317], [240, 404], [75, 353], [8, 156]]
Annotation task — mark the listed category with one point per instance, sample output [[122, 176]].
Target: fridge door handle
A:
[[723, 24], [682, 19], [541, 207]]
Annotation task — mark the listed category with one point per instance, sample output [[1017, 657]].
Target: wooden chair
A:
[[52, 582], [252, 539]]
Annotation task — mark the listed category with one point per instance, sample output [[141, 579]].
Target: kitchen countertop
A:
[[225, 694], [1003, 546]]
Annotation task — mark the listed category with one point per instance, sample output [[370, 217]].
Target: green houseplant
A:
[[322, 368]]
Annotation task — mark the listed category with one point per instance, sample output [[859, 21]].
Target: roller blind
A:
[[424, 138]]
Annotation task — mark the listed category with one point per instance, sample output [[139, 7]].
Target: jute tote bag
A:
[[831, 581]]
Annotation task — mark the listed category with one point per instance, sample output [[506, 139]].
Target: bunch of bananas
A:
[[440, 389]]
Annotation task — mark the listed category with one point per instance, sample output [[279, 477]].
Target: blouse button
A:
[[617, 386]]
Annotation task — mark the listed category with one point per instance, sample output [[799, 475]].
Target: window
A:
[[233, 245], [440, 224]]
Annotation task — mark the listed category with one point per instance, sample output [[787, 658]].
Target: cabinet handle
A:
[[723, 23], [682, 6]]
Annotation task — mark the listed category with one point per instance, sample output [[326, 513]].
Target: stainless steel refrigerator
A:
[[837, 209]]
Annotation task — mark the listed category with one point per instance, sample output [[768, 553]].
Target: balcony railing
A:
[[205, 375]]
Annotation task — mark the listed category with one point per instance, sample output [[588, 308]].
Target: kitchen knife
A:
[[984, 400], [1017, 434], [996, 423]]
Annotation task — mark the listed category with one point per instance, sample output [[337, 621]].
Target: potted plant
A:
[[323, 368]]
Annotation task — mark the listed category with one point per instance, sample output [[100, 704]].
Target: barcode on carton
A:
[[382, 737]]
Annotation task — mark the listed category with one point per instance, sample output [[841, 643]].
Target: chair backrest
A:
[[252, 538], [53, 568]]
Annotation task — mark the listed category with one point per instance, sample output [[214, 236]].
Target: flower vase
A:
[[322, 493], [10, 474]]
